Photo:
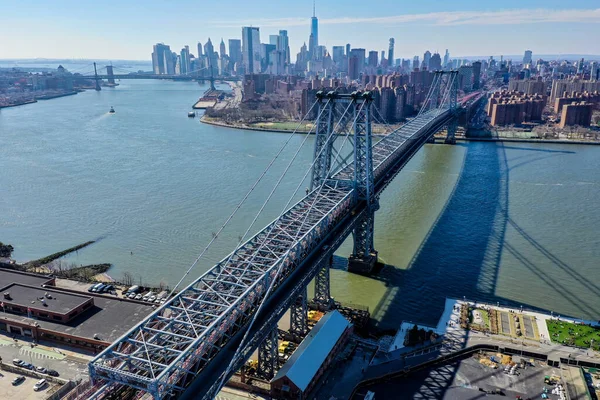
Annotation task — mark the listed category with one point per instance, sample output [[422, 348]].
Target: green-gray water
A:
[[503, 222]]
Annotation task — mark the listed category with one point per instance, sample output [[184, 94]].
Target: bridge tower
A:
[[98, 88], [111, 74], [358, 104], [364, 256], [452, 87]]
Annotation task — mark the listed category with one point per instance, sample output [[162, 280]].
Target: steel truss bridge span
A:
[[187, 343]]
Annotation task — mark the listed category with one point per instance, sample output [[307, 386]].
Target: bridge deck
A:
[[185, 334], [173, 345]]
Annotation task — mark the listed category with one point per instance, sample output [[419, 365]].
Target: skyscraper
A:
[[283, 44], [435, 62], [476, 74], [391, 52], [251, 49], [446, 59], [415, 62], [527, 57], [222, 50], [360, 55], [162, 60], [313, 42], [209, 50], [373, 59], [426, 60], [235, 51], [185, 60]]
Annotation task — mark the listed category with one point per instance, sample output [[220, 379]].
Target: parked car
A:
[[91, 288], [39, 385], [133, 289], [152, 298], [109, 288], [146, 296], [27, 365], [100, 288], [52, 372], [18, 380], [131, 295], [41, 370], [138, 297], [17, 362]]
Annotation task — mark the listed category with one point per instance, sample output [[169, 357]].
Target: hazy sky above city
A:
[[117, 29]]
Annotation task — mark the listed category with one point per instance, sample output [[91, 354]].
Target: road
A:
[[44, 356]]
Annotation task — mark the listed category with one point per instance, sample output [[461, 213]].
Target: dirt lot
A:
[[23, 391]]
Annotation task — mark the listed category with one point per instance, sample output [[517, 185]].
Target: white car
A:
[[39, 385], [152, 298], [138, 297]]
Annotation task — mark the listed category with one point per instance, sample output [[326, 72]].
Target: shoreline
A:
[[254, 128], [42, 97], [462, 139]]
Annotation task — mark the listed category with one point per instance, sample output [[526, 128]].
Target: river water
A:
[[515, 223]]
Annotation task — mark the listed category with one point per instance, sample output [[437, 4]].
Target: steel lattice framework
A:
[[172, 346]]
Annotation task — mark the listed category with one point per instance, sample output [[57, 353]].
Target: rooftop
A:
[[314, 349], [108, 318], [29, 297], [7, 277]]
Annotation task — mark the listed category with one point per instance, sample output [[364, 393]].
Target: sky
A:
[[127, 29]]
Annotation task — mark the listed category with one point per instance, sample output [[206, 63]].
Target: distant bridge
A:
[[192, 344]]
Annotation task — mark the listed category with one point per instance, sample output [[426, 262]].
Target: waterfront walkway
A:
[[453, 339]]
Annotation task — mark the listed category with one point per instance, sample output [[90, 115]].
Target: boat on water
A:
[[191, 114], [112, 110]]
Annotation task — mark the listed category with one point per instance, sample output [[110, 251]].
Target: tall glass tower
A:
[[313, 42]]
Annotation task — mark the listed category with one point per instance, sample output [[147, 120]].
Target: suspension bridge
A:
[[112, 74], [191, 346]]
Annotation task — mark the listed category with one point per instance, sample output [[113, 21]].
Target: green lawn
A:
[[573, 334]]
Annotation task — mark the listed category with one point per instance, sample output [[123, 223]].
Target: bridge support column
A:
[[299, 317], [451, 136], [322, 297], [364, 255], [268, 361]]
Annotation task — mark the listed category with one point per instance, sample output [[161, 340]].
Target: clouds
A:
[[450, 18]]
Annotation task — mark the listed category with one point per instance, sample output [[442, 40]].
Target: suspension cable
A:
[[241, 203], [274, 279]]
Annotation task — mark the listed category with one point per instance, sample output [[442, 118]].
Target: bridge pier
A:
[[322, 297], [299, 316], [451, 135], [364, 256], [268, 360]]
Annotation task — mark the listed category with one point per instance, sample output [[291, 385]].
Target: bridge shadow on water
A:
[[461, 254]]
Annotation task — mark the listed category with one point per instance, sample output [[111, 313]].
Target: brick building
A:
[[528, 86], [576, 114], [513, 108], [568, 98]]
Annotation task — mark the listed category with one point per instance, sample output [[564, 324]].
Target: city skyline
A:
[[542, 26]]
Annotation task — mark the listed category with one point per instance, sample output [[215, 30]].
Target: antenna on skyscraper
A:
[[314, 9]]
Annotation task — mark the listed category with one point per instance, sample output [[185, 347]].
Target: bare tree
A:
[[127, 278]]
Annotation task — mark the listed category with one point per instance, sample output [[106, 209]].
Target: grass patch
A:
[[571, 334]]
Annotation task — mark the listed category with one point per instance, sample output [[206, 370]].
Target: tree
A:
[[6, 250], [127, 278]]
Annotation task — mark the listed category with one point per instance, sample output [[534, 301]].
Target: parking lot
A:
[[42, 356], [24, 390]]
